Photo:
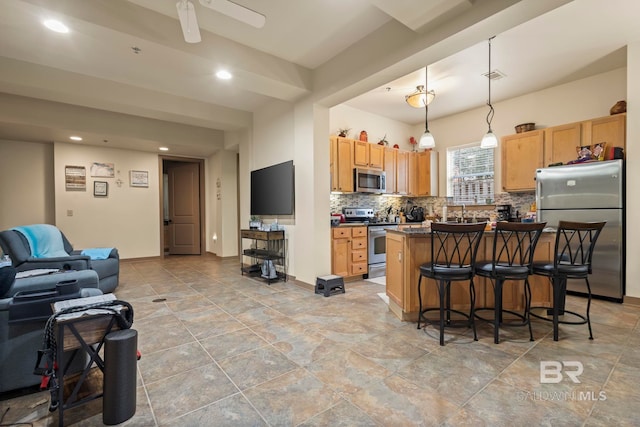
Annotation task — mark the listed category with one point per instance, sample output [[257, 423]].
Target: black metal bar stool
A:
[[514, 244], [453, 253], [571, 260]]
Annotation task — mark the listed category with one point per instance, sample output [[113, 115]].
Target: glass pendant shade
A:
[[489, 140], [427, 140], [417, 98]]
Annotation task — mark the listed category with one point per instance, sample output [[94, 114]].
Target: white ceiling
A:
[[332, 50]]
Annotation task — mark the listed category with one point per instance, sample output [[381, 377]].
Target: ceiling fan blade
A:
[[188, 21], [236, 11]]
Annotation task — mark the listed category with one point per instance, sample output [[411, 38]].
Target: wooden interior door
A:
[[184, 208]]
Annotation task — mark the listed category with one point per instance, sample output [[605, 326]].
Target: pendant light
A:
[[426, 140], [489, 140]]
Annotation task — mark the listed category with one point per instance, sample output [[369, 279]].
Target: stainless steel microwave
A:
[[369, 181]]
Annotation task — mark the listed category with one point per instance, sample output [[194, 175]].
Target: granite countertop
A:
[[425, 231]]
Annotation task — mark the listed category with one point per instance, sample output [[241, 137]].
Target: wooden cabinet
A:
[[560, 143], [395, 268], [412, 174], [396, 167], [610, 129], [349, 251], [427, 173], [402, 172], [368, 155], [341, 164], [390, 169], [407, 251], [522, 154]]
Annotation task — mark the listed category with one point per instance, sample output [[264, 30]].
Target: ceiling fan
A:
[[189, 22]]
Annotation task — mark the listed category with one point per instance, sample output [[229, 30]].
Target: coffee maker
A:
[[503, 212]]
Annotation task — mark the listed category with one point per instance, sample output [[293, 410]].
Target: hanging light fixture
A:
[[417, 98], [489, 140], [426, 140]]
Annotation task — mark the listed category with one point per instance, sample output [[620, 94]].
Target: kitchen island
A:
[[409, 248]]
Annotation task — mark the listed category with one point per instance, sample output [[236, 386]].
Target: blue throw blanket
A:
[[97, 253], [45, 241]]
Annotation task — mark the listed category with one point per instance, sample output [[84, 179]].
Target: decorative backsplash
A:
[[380, 204]]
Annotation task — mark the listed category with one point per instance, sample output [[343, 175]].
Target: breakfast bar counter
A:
[[410, 248]]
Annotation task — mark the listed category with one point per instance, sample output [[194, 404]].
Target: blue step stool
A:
[[329, 285]]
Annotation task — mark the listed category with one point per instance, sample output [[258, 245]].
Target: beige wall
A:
[[272, 142], [633, 170], [26, 184], [342, 116], [222, 220], [127, 219]]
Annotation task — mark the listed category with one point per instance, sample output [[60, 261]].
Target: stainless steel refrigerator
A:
[[589, 192]]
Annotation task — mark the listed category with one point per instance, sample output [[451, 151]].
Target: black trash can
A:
[[119, 392]]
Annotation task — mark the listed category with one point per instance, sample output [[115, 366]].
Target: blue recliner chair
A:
[[15, 244]]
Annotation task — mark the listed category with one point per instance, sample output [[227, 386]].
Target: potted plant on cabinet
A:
[[343, 132]]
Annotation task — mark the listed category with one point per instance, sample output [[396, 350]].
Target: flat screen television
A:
[[272, 190]]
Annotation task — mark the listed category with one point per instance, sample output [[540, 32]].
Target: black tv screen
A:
[[272, 190]]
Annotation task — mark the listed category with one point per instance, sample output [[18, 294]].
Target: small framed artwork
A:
[[75, 178], [102, 170], [100, 188], [139, 178]]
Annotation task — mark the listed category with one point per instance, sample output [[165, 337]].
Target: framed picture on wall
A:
[[75, 178], [100, 188], [139, 178], [102, 170]]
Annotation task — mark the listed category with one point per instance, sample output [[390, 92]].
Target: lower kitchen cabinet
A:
[[406, 251], [349, 251]]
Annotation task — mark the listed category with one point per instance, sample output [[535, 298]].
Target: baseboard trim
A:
[[631, 300], [147, 258]]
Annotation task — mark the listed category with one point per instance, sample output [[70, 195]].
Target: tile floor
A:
[[227, 350]]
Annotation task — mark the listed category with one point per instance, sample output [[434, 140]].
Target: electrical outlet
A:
[[69, 212]]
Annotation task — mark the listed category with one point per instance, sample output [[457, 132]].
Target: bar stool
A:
[[453, 253], [574, 246], [514, 244]]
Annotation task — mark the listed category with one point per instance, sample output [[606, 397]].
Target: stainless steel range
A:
[[377, 244]]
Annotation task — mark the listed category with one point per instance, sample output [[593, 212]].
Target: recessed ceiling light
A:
[[76, 138], [223, 75], [56, 26], [163, 149]]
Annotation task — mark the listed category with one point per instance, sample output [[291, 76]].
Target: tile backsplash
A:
[[432, 205]]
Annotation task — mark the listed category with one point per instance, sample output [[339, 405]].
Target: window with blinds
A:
[[470, 174]]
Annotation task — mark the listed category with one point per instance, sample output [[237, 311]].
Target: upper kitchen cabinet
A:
[[341, 164], [610, 129], [402, 169], [427, 173], [368, 155], [391, 170], [522, 154], [396, 167], [560, 143]]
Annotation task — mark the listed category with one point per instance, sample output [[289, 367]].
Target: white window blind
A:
[[470, 174]]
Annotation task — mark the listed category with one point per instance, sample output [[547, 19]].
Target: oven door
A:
[[377, 245]]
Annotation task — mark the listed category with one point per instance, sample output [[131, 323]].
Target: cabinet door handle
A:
[[400, 256]]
